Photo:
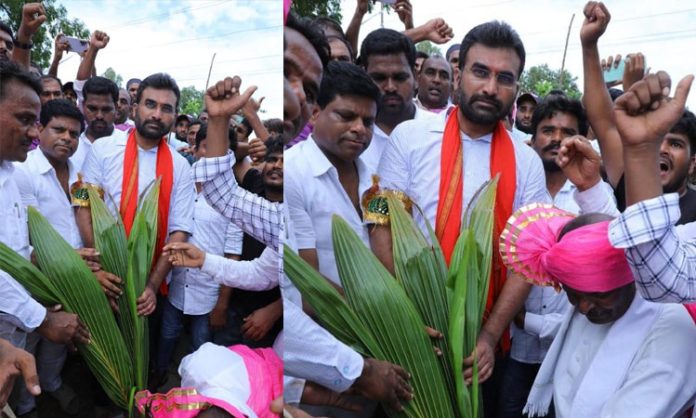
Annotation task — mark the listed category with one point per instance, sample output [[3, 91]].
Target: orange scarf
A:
[[129, 192], [448, 221]]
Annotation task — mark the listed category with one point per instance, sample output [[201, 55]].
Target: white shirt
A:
[[16, 305], [84, 145], [313, 193], [411, 163], [374, 152], [192, 291], [104, 166], [39, 187], [660, 381]]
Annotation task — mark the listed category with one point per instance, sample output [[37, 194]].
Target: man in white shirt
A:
[[434, 85], [454, 153], [614, 352], [19, 313], [145, 155], [99, 108], [555, 118], [193, 294], [44, 181], [325, 175], [389, 58]]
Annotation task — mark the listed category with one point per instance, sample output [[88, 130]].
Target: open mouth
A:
[[665, 165]]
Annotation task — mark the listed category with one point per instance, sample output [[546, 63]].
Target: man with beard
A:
[[613, 349], [389, 58], [535, 326], [678, 146], [124, 165], [254, 316], [52, 89], [434, 82], [325, 175], [99, 108], [526, 104], [19, 312], [6, 42], [441, 161], [122, 121]]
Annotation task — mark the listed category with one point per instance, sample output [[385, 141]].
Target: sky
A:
[[663, 31], [180, 37]]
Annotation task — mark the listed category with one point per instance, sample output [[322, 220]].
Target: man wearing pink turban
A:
[[614, 349]]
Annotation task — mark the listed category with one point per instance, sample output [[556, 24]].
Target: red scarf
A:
[[448, 221], [129, 192]]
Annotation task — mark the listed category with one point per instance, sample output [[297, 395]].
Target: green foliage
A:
[[428, 47], [314, 8], [57, 21], [191, 102], [112, 75], [540, 79]]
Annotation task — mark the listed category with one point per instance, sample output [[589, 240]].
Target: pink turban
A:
[[584, 259]]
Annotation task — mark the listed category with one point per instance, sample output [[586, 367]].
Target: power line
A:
[[154, 17], [232, 60]]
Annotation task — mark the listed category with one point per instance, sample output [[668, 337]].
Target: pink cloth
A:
[[265, 370], [265, 383], [180, 403], [584, 259], [286, 9], [691, 308]]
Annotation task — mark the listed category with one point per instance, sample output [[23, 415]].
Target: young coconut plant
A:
[[384, 317]]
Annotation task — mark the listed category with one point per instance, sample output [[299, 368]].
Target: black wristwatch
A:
[[21, 45]]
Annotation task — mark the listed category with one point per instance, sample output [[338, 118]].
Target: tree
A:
[[57, 21], [113, 76], [428, 47], [540, 79], [191, 102], [314, 8]]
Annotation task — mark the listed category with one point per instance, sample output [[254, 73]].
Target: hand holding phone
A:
[[76, 45]]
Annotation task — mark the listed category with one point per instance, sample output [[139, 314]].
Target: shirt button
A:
[[543, 306]]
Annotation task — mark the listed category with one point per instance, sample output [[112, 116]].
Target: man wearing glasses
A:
[[440, 162]]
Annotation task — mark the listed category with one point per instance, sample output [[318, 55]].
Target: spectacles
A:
[[504, 80]]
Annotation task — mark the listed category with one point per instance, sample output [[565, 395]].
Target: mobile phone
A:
[[615, 73], [76, 45]]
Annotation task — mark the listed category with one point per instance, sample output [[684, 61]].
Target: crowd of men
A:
[[59, 138], [587, 313], [579, 331]]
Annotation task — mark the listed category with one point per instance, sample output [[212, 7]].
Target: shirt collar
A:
[[314, 156], [568, 187], [45, 166]]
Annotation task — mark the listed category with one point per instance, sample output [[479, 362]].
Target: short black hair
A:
[[313, 33], [196, 122], [274, 125], [133, 80], [247, 125], [387, 42], [9, 71], [159, 81], [101, 86], [583, 220], [50, 77], [559, 103], [686, 125], [5, 28], [345, 42], [493, 34], [274, 144], [421, 54], [202, 133], [344, 78], [61, 107], [615, 93], [325, 22]]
